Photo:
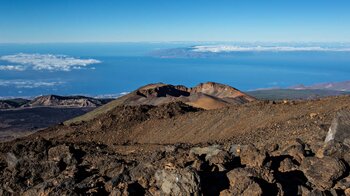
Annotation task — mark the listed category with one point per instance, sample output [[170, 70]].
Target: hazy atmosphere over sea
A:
[[102, 69]]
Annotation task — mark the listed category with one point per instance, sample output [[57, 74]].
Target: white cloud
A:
[[110, 95], [48, 61], [233, 48], [28, 83], [124, 93], [12, 68]]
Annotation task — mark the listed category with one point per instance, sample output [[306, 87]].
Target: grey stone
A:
[[178, 181], [11, 160], [340, 128], [208, 151], [236, 149]]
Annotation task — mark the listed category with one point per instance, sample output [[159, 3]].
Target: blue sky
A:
[[174, 20]]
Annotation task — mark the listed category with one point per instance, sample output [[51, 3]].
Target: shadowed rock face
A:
[[162, 90]]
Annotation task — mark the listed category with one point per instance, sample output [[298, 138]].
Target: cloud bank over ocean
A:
[[29, 84], [234, 48], [47, 62], [12, 68], [203, 50]]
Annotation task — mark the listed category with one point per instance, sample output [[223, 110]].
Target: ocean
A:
[[108, 69]]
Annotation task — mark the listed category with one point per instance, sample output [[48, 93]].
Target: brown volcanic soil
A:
[[258, 123]]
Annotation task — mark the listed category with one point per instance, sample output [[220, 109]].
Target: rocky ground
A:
[[45, 167], [260, 148]]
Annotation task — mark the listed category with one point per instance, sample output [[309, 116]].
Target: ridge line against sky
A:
[[55, 21]]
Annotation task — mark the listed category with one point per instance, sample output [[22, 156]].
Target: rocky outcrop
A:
[[5, 105], [12, 103], [221, 91], [68, 101], [162, 90], [53, 101]]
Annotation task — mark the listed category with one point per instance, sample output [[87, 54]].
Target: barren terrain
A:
[[253, 148]]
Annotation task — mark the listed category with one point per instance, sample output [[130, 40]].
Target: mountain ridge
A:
[[209, 95], [53, 101]]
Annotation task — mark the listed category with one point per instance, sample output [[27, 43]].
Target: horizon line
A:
[[125, 42]]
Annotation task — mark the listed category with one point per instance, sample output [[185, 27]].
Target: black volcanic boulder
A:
[[322, 172], [62, 153], [143, 174], [242, 183], [296, 150], [252, 157]]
